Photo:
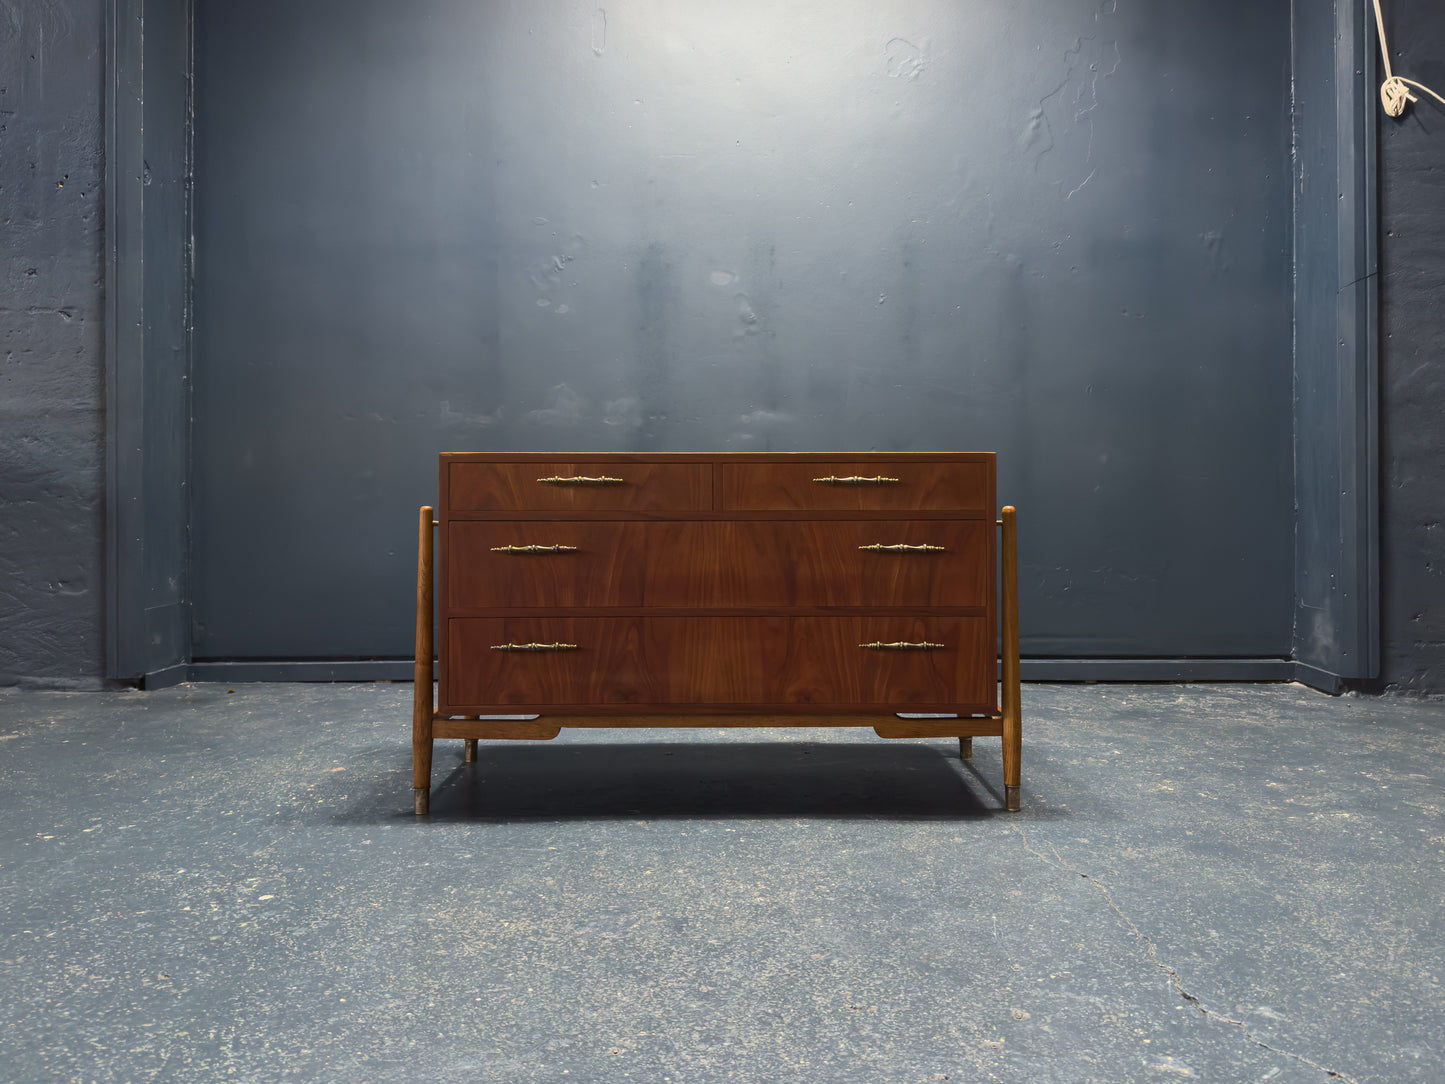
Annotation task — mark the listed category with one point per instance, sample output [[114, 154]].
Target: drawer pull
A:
[[534, 647], [579, 480], [900, 645], [856, 480], [900, 547], [534, 549]]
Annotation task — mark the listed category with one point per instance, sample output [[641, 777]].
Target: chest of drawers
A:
[[633, 589]]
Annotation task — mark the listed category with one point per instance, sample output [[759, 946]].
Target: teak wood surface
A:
[[724, 565], [734, 589], [767, 664]]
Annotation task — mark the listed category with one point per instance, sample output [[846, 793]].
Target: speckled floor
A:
[[1215, 883]]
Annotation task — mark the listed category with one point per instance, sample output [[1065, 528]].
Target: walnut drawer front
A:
[[858, 485], [578, 485], [719, 663], [738, 564]]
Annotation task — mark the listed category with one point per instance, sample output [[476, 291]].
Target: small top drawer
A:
[[573, 486], [960, 485]]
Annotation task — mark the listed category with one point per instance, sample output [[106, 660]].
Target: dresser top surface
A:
[[712, 457]]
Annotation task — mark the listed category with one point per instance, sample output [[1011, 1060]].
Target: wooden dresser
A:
[[733, 589]]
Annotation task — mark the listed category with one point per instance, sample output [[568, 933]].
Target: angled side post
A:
[[1009, 650], [422, 709]]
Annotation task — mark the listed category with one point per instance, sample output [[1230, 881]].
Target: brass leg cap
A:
[[1011, 798], [423, 796], [965, 748], [471, 753]]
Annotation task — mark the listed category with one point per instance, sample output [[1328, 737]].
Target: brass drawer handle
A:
[[900, 645], [534, 549], [534, 647], [579, 480], [900, 547], [855, 480]]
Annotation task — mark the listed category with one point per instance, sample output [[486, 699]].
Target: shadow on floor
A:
[[518, 782]]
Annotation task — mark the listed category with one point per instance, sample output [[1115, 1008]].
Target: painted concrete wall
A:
[[1057, 229], [52, 372], [52, 385], [147, 348], [1412, 359], [1335, 465]]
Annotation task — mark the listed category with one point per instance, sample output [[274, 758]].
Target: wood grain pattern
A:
[[719, 590], [549, 726], [421, 713], [498, 729], [967, 727], [765, 663], [745, 565], [1012, 705], [962, 486], [493, 486]]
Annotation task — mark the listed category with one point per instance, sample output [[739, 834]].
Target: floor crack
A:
[[1150, 949]]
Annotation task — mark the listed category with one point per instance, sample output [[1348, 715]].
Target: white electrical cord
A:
[[1394, 91]]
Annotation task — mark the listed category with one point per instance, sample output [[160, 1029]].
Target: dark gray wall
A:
[[51, 372], [52, 329], [1412, 358], [148, 341], [1335, 463], [1060, 230]]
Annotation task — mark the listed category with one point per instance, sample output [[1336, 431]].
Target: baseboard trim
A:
[[1165, 670], [166, 677], [1038, 669], [1316, 678], [303, 670]]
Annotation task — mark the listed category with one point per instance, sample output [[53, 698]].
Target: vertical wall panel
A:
[[52, 332], [1336, 602], [1053, 229], [1412, 361], [147, 344]]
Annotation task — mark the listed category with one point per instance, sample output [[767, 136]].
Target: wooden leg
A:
[[423, 713], [1012, 713], [965, 748], [471, 754]]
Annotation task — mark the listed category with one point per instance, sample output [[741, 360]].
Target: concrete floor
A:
[[1215, 883]]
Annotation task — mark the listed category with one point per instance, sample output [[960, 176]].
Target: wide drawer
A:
[[578, 485], [858, 485], [506, 564], [738, 663]]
